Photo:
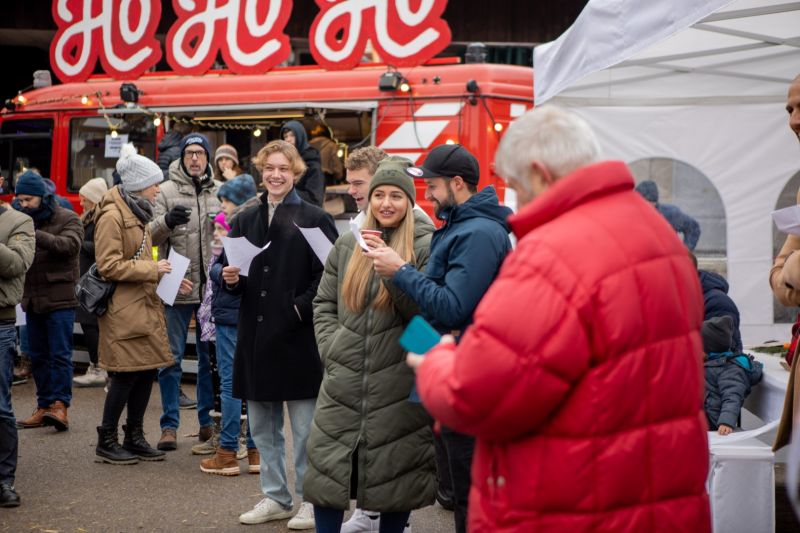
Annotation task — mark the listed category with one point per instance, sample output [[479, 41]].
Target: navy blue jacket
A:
[[466, 254], [718, 303], [728, 382]]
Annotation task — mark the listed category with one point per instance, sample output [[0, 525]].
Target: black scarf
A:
[[140, 207], [40, 214]]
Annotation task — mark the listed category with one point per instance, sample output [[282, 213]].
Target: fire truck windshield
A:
[[24, 144]]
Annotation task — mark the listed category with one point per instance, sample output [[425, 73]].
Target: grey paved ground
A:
[[63, 490]]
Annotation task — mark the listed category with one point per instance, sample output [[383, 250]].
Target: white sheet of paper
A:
[[318, 242], [21, 319], [715, 438], [788, 219], [168, 287], [241, 252], [360, 218], [356, 229]]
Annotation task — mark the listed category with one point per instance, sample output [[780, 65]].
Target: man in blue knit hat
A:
[[182, 223], [49, 299]]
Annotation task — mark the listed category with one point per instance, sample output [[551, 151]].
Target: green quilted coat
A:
[[363, 410]]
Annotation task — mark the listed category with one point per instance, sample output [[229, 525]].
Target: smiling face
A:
[[277, 176], [389, 205], [195, 159], [438, 192], [358, 181]]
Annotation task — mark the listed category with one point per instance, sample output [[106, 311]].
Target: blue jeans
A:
[[23, 339], [231, 407], [50, 350], [169, 378], [266, 423], [8, 426]]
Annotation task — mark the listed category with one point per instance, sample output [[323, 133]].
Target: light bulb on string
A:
[[498, 127], [114, 134], [340, 153], [257, 132], [157, 121], [449, 141], [21, 99], [405, 87], [84, 99]]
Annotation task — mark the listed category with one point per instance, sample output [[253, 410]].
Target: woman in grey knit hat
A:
[[133, 332]]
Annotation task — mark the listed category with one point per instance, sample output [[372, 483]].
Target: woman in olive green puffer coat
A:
[[368, 441]]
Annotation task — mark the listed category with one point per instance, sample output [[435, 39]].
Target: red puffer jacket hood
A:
[[581, 376]]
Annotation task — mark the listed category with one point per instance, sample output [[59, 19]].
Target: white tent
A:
[[703, 83]]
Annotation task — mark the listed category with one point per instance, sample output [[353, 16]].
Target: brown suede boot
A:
[[222, 463], [253, 461], [168, 441], [36, 420], [57, 416]]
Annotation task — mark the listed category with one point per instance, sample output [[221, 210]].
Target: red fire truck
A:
[[72, 132]]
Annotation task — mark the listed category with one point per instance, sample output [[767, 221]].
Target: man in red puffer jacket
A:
[[581, 376]]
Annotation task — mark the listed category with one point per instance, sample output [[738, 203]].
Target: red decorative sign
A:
[[402, 36], [248, 33], [121, 33]]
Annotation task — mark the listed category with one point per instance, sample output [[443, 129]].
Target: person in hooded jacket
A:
[[717, 303], [50, 185], [133, 331], [311, 186], [466, 254], [169, 149], [368, 441]]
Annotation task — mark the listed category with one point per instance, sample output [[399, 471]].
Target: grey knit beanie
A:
[[136, 171]]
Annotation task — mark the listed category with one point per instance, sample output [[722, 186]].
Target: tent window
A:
[[787, 198], [685, 186]]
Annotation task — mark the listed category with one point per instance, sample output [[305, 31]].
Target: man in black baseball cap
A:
[[465, 257]]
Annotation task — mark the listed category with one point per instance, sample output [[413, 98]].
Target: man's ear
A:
[[539, 169], [459, 182]]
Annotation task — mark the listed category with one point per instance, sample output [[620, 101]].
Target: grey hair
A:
[[561, 141]]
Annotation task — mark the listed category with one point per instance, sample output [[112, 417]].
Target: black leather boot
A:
[[136, 444], [109, 451]]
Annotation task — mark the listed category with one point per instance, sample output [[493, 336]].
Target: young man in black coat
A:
[[276, 352]]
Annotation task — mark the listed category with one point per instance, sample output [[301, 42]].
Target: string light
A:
[[449, 141], [405, 87], [257, 132], [21, 98], [84, 99], [498, 127], [157, 121], [114, 134]]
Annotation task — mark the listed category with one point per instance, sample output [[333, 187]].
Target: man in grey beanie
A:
[[183, 221]]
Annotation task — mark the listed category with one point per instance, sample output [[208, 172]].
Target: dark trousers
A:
[[50, 350], [330, 520], [459, 448], [131, 389], [8, 425], [443, 469], [91, 337]]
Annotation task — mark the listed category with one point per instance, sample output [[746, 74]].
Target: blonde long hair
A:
[[357, 278]]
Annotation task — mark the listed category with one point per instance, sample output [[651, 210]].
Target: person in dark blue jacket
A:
[[680, 221], [236, 196], [466, 254], [718, 303], [51, 188], [729, 375]]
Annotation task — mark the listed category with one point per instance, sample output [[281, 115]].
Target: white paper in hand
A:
[[170, 283], [318, 242], [21, 319], [788, 219], [356, 229], [241, 252]]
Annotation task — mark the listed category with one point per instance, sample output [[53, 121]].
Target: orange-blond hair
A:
[[296, 163]]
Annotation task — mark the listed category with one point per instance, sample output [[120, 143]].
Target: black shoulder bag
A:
[[94, 292]]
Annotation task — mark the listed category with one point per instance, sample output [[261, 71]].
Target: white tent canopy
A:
[[703, 83]]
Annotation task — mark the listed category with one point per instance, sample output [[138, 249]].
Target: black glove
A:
[[177, 215]]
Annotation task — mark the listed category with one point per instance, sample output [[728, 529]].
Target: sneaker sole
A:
[[55, 422], [254, 469], [280, 516], [8, 505], [230, 471], [187, 407], [101, 459], [309, 524], [29, 426]]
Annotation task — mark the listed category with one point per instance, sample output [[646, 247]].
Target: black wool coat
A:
[[276, 351]]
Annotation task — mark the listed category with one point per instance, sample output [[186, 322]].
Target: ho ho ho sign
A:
[[248, 33]]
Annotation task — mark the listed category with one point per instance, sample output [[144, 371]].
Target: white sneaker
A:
[[94, 377], [265, 511], [304, 519], [360, 522], [241, 453]]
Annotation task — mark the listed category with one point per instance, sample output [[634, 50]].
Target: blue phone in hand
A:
[[419, 337]]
